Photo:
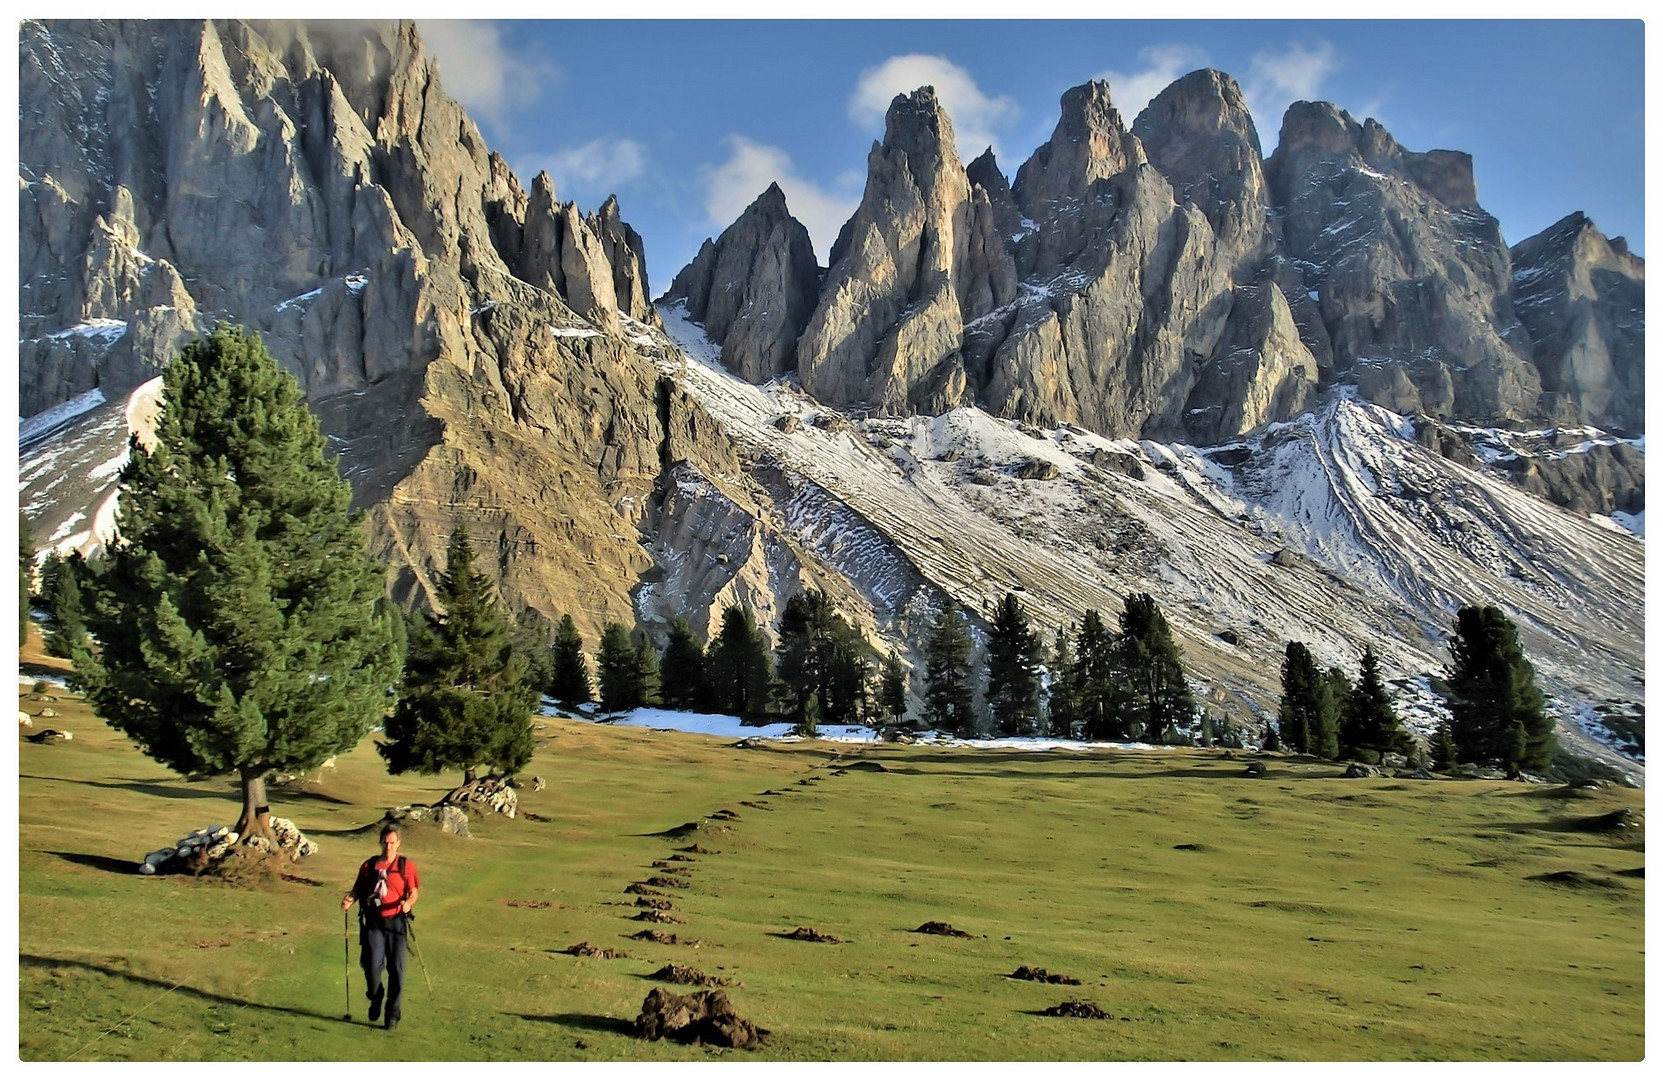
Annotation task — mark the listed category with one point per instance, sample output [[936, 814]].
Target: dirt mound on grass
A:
[[680, 858], [1083, 1010], [583, 948], [666, 864], [640, 889], [1617, 820], [1191, 847], [686, 976], [662, 937], [530, 903], [808, 933], [683, 831], [940, 928], [864, 766], [1033, 974], [654, 903], [724, 814], [1576, 879], [654, 916], [697, 850], [669, 883], [756, 805], [703, 1017]]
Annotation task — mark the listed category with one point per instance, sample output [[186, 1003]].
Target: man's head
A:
[[389, 841]]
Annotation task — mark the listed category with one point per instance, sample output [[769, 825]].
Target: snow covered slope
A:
[[1336, 529]]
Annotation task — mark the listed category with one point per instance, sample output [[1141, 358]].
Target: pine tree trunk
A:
[[256, 816]]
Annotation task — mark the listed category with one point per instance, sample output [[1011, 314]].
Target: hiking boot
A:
[[392, 1022], [375, 1008]]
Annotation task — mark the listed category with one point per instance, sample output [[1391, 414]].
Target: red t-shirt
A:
[[401, 882]]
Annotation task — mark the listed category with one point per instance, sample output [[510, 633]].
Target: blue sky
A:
[[688, 121]]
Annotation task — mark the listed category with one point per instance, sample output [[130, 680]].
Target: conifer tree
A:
[[531, 640], [947, 695], [1497, 712], [1013, 656], [1061, 698], [1333, 694], [823, 662], [1369, 725], [569, 683], [1156, 696], [682, 672], [1095, 680], [739, 665], [1302, 699], [617, 670], [25, 576], [1442, 750], [60, 594], [648, 680], [1273, 738], [892, 690], [241, 624], [466, 702]]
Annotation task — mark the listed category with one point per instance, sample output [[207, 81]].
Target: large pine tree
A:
[[1335, 691], [1369, 725], [569, 683], [738, 665], [1062, 697], [1156, 697], [241, 624], [466, 701], [947, 694], [1497, 712], [1013, 661], [823, 662], [892, 690]]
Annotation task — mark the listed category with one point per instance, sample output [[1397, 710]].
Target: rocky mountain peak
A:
[[1089, 143], [753, 288]]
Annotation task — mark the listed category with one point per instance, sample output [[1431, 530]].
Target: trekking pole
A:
[[346, 965], [410, 930]]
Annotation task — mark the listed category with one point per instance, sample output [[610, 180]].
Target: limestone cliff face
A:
[[920, 258], [1583, 298], [1164, 280], [753, 288], [460, 338], [1412, 275]]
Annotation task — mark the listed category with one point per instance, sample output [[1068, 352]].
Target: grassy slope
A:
[[1315, 917]]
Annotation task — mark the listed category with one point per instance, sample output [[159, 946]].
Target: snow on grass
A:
[[41, 423], [729, 727]]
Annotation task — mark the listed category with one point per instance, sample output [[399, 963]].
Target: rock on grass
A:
[[940, 928], [703, 1017]]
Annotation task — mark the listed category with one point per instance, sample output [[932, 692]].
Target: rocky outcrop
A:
[[1583, 298], [1411, 274], [753, 288], [463, 340], [921, 257]]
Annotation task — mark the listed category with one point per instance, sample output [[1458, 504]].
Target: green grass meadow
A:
[[1297, 916]]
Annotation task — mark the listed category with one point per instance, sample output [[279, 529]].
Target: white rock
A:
[[147, 868], [231, 837], [68, 736], [25, 719]]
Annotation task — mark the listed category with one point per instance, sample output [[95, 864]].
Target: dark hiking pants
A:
[[381, 944]]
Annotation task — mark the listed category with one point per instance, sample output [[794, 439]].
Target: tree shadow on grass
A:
[[27, 960], [144, 787], [97, 862], [583, 1021]]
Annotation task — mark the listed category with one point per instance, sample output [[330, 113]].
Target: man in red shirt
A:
[[386, 888]]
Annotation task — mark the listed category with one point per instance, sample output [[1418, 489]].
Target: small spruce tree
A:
[[569, 682], [1302, 689], [1061, 698], [1013, 661], [1369, 726], [1095, 680], [739, 665], [60, 591], [681, 674], [466, 701], [1156, 699], [892, 690], [1442, 750], [947, 695], [617, 673], [647, 676]]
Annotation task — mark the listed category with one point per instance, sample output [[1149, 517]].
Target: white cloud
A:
[[1278, 79], [477, 69], [597, 168], [1132, 92], [750, 168], [975, 116]]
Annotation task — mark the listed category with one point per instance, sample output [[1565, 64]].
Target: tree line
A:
[[239, 624]]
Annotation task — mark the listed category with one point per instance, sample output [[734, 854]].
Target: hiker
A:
[[386, 886]]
